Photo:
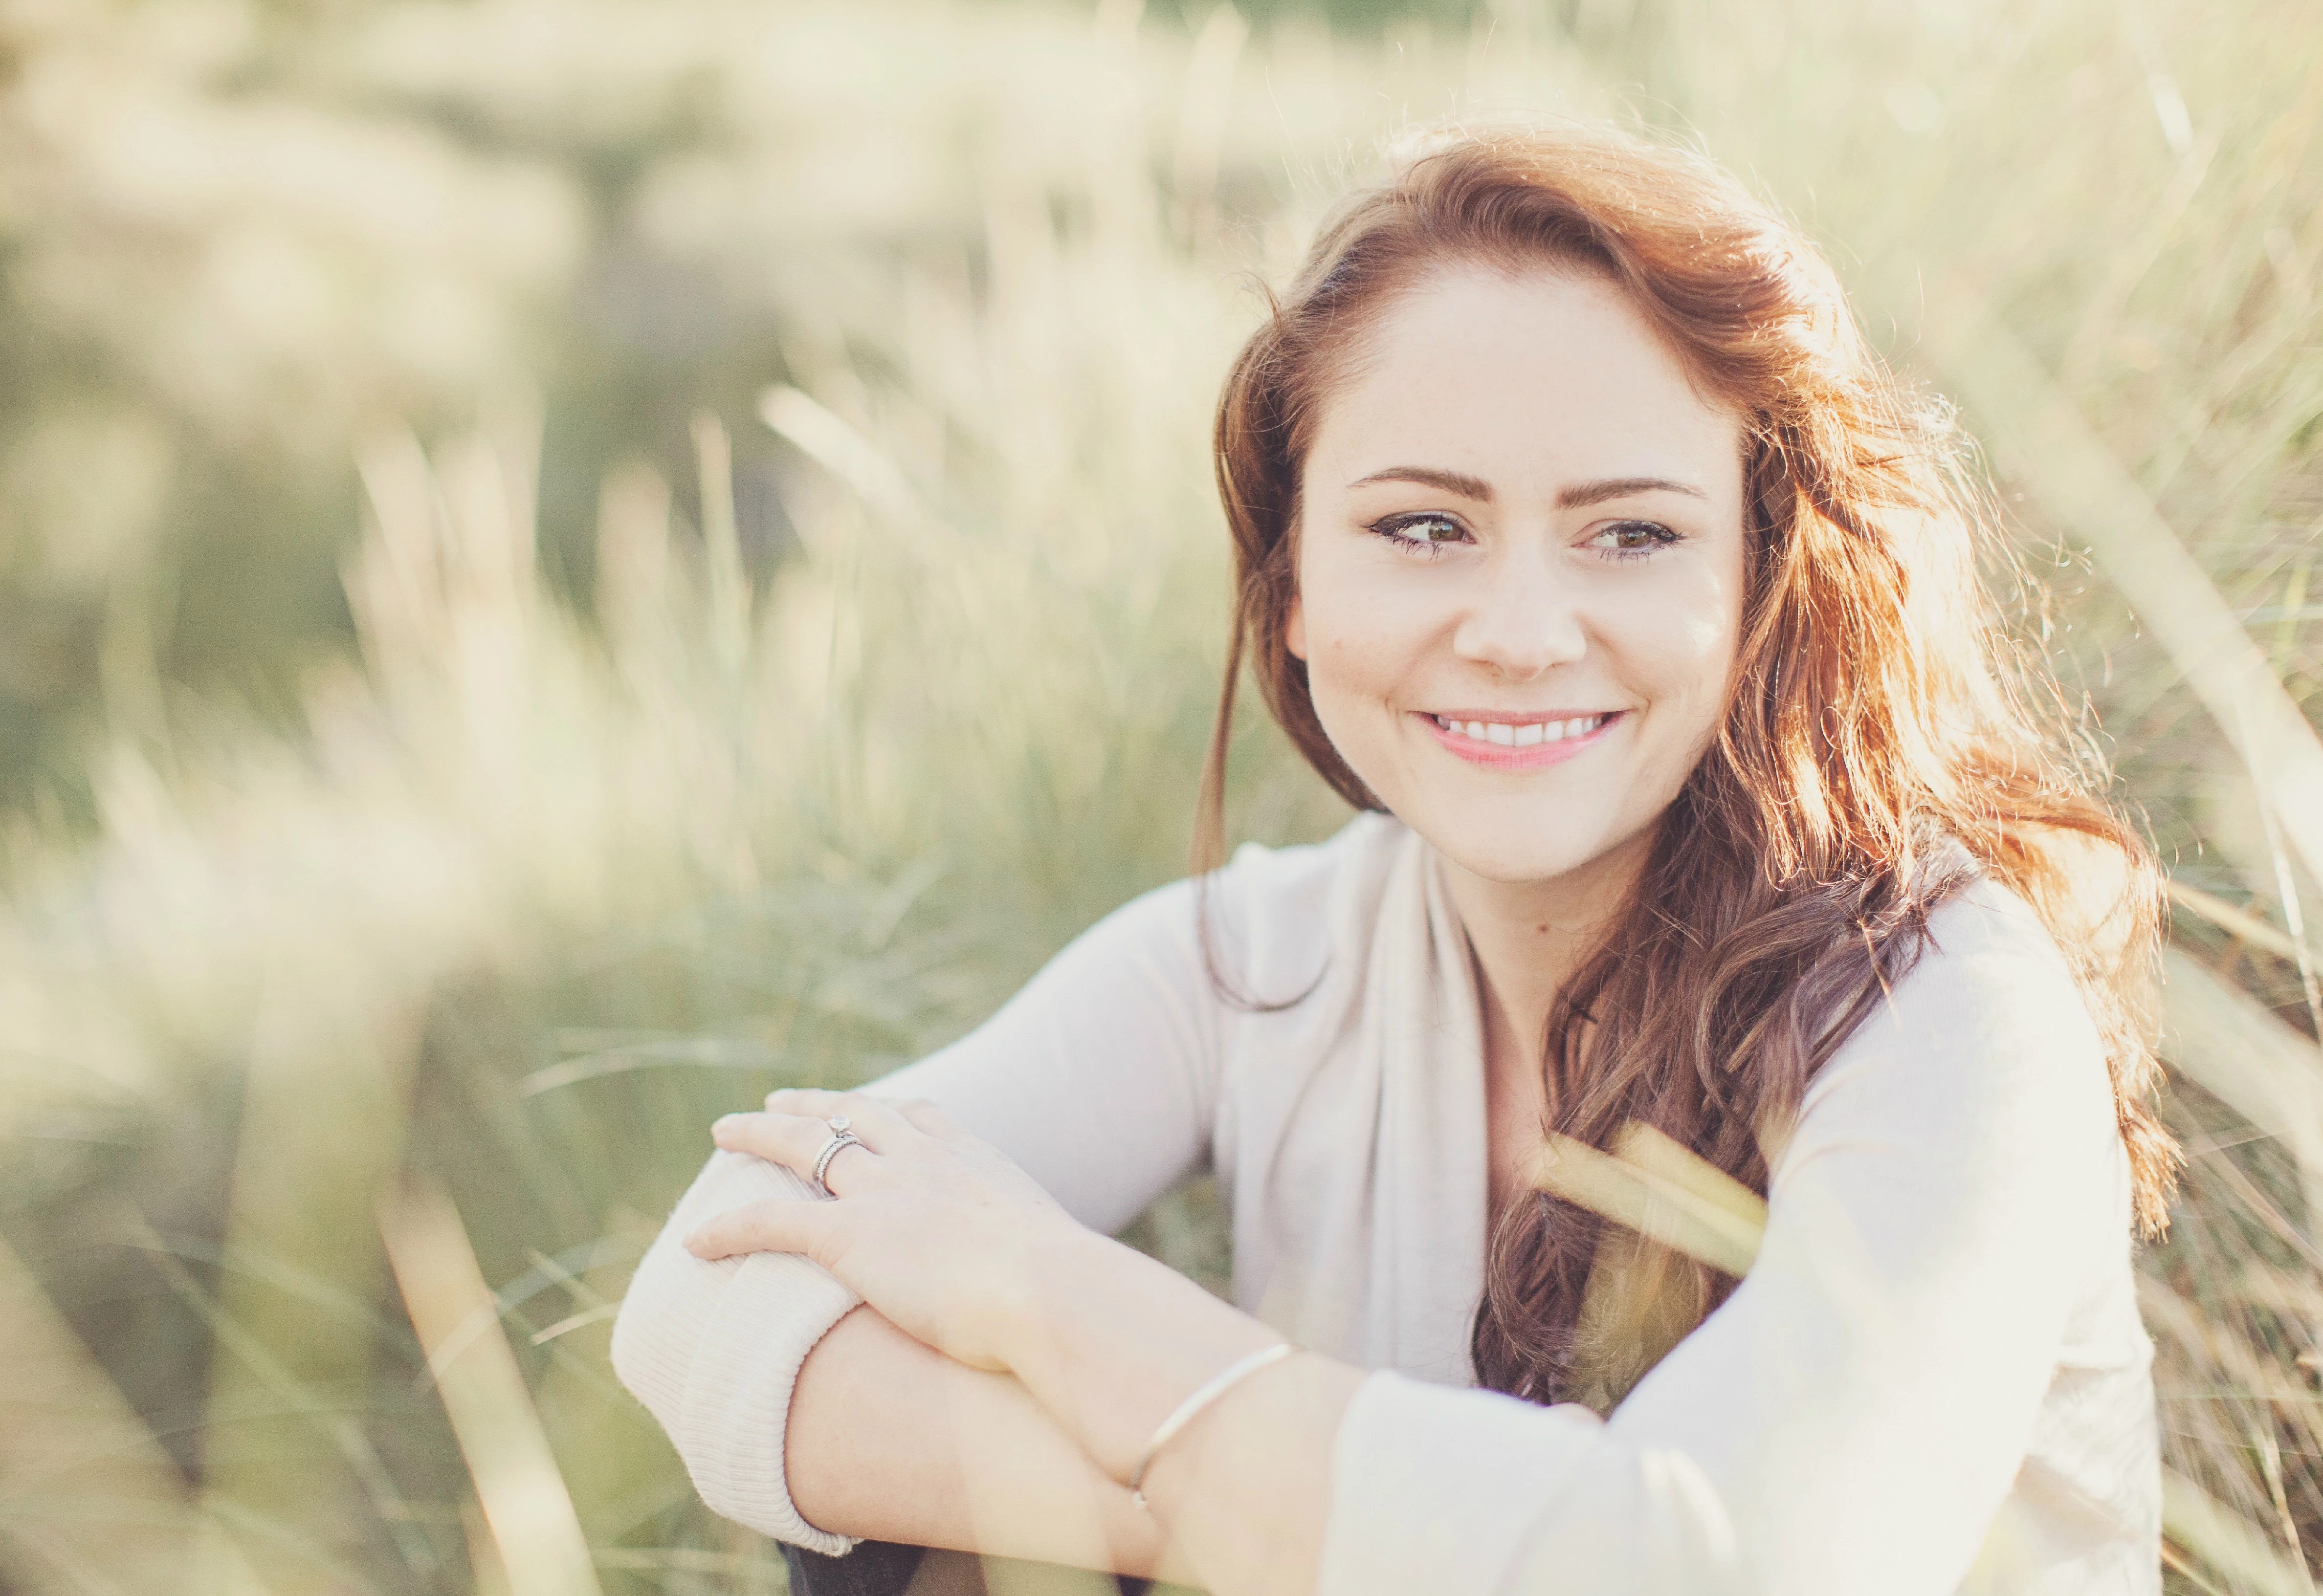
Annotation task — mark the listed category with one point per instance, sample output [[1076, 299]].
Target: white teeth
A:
[[1530, 734]]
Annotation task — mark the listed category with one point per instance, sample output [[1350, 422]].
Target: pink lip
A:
[[1494, 757]]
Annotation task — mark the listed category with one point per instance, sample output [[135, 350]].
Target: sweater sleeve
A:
[[1098, 1079], [1853, 1417], [712, 1349]]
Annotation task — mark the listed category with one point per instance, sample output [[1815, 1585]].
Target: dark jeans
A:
[[876, 1568]]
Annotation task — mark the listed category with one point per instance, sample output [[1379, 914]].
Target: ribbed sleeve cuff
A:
[[1435, 1488], [714, 1350], [737, 1394]]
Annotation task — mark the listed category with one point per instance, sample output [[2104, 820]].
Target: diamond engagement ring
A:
[[840, 1136]]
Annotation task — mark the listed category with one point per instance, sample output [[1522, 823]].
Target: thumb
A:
[[771, 1225]]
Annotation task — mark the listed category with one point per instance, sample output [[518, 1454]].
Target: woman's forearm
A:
[[890, 1440], [961, 1252], [1110, 1343]]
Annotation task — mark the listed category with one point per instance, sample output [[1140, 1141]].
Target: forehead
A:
[[1527, 376]]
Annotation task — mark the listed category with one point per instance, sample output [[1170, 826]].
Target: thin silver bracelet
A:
[[1216, 1386]]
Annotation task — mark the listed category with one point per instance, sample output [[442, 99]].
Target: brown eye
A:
[[1634, 539], [1426, 531]]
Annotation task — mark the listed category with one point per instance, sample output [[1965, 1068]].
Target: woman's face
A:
[[1520, 569]]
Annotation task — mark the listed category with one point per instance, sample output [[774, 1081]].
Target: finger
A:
[[773, 1224], [785, 1138], [874, 1119], [931, 1121], [797, 1145], [816, 1101], [845, 1172]]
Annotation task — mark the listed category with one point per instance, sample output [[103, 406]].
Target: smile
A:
[[1520, 745]]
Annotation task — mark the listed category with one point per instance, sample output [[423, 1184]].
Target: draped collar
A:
[[1370, 1215]]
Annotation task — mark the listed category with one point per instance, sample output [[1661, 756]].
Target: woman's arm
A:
[[911, 1445], [1849, 1420], [1098, 1079], [900, 1442], [1852, 1417], [1112, 1342], [990, 1274]]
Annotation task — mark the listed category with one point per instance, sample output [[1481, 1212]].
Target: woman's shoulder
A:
[[1984, 931], [1989, 958], [1275, 913], [1263, 880], [1245, 937], [1985, 1040], [1971, 1114]]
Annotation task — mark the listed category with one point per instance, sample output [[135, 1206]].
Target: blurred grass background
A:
[[566, 562]]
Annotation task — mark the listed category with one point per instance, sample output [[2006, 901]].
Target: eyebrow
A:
[[1578, 496], [1451, 481], [1597, 492]]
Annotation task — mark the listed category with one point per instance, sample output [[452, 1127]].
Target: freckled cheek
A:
[[1360, 644], [1347, 668]]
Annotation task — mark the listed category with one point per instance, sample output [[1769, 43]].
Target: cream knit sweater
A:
[[1934, 1379]]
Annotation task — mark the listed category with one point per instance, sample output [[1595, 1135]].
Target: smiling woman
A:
[[1570, 556], [1564, 578], [1583, 545]]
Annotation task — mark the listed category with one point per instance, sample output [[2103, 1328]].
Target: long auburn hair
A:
[[1880, 712]]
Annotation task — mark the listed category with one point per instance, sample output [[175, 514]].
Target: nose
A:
[[1524, 618]]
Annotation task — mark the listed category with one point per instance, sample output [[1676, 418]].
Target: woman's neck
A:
[[1530, 937]]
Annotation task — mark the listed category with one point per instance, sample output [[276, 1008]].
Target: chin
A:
[[1516, 854], [1521, 864]]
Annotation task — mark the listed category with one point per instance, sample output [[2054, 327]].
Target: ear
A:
[[1294, 629]]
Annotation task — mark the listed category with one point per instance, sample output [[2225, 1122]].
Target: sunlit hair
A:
[[1879, 710]]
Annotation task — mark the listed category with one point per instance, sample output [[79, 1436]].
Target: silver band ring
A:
[[840, 1136]]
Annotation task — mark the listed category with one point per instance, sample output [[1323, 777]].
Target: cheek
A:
[[1682, 642], [1354, 634], [1704, 650]]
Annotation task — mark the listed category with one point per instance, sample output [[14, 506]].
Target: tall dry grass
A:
[[347, 1071]]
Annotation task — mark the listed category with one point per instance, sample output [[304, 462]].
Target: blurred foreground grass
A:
[[345, 1069]]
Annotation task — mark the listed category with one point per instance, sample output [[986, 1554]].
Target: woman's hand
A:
[[936, 1229], [958, 1248]]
